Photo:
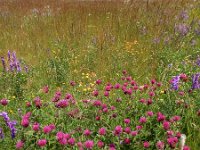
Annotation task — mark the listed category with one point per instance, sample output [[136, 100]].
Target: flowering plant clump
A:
[[124, 119]]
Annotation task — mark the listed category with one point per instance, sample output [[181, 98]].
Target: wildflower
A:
[[41, 142], [45, 89], [4, 102], [134, 133], [183, 77], [198, 61], [10, 124], [87, 132], [186, 147], [25, 122], [175, 82], [98, 81], [172, 141], [151, 94], [160, 145], [95, 93], [196, 81], [138, 127], [46, 129], [184, 15], [28, 104], [149, 101], [37, 102], [182, 29], [118, 130], [36, 126], [127, 130], [146, 144], [89, 144], [160, 117], [1, 133], [150, 113], [166, 125], [127, 121], [102, 131], [100, 144], [117, 86], [127, 141], [3, 63], [176, 118], [71, 141], [72, 83], [142, 120], [106, 93], [62, 103], [19, 145]]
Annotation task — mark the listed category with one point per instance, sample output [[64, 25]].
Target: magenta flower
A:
[[134, 133], [71, 141], [95, 93], [41, 142], [62, 103], [186, 147], [60, 135], [172, 141], [106, 93], [142, 120], [127, 141], [63, 141], [89, 144], [19, 145], [138, 127], [146, 144], [100, 144], [102, 131], [166, 125], [160, 117], [117, 86], [36, 126], [98, 81], [127, 130], [176, 118], [46, 129], [127, 121], [37, 102], [45, 89], [4, 102], [118, 130], [160, 145], [25, 122], [87, 132], [150, 113]]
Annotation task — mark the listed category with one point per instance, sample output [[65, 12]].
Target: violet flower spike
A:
[[1, 134], [175, 82], [3, 63], [196, 81]]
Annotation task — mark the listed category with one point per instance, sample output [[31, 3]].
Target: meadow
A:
[[100, 75]]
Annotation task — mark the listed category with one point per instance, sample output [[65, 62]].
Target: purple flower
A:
[[175, 82], [1, 133], [198, 61], [184, 15], [196, 81], [182, 29], [8, 55], [10, 124], [3, 63]]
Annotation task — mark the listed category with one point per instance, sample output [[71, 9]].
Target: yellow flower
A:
[[13, 97], [11, 111], [162, 92]]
